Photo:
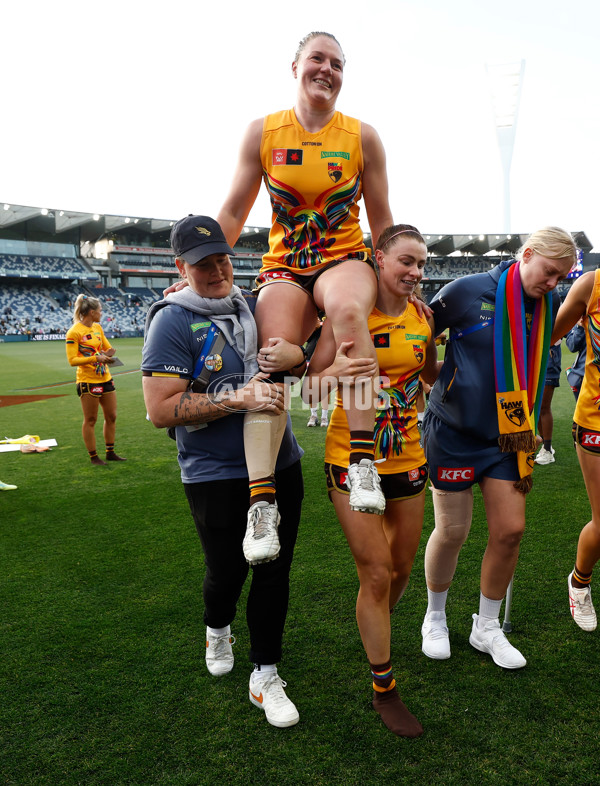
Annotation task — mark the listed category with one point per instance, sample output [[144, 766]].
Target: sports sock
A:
[[436, 601], [488, 610], [395, 714], [111, 455], [262, 670], [383, 676], [548, 445], [313, 412], [362, 446], [219, 631], [95, 458], [579, 579], [262, 490]]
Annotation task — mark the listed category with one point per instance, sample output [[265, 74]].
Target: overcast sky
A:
[[138, 108]]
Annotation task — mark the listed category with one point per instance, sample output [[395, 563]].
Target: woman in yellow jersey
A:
[[583, 301], [90, 352], [384, 547], [316, 165]]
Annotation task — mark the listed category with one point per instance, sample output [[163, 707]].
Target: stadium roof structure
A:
[[93, 226]]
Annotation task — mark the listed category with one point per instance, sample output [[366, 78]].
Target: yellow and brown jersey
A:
[[400, 343], [83, 342], [314, 183], [587, 411]]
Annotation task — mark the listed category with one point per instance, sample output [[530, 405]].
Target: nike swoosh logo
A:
[[259, 698]]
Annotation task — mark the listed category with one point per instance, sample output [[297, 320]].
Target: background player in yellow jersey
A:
[[316, 164], [90, 352], [383, 547], [583, 301]]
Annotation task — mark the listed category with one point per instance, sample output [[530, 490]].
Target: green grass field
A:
[[102, 673]]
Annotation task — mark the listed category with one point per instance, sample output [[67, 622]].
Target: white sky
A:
[[138, 108]]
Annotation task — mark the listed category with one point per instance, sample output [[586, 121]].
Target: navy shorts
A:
[[457, 461]]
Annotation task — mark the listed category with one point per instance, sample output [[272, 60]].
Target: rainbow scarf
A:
[[520, 368]]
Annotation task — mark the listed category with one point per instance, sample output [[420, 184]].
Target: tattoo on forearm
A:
[[202, 407]]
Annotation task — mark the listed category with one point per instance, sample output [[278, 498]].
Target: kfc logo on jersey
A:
[[455, 475], [283, 156], [590, 438]]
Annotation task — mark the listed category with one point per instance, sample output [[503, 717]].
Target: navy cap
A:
[[195, 237]]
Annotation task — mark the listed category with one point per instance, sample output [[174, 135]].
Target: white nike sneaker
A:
[[219, 655], [267, 692]]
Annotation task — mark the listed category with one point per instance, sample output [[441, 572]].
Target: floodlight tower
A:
[[506, 81]]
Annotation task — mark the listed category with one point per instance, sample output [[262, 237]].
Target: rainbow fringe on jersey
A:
[[520, 368]]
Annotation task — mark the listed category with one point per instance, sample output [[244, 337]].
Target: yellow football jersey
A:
[[587, 411], [400, 343], [85, 341], [314, 183]]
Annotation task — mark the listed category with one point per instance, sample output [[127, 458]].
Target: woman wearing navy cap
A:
[[200, 377]]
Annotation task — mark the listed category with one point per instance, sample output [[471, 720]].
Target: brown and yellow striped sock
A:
[[581, 580], [262, 490], [362, 446]]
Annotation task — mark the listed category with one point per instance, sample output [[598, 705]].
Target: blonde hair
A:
[[552, 242], [83, 305], [316, 34]]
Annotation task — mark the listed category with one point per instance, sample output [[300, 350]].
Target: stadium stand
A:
[[48, 257]]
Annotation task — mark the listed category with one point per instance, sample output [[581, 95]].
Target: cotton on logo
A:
[[456, 475], [590, 439]]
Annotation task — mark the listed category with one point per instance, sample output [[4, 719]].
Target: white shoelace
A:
[[273, 686], [263, 521], [218, 645]]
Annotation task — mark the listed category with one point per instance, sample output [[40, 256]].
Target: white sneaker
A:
[[363, 481], [261, 541], [582, 608], [324, 422], [545, 456], [268, 694], [436, 642], [219, 655], [491, 639], [312, 421]]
